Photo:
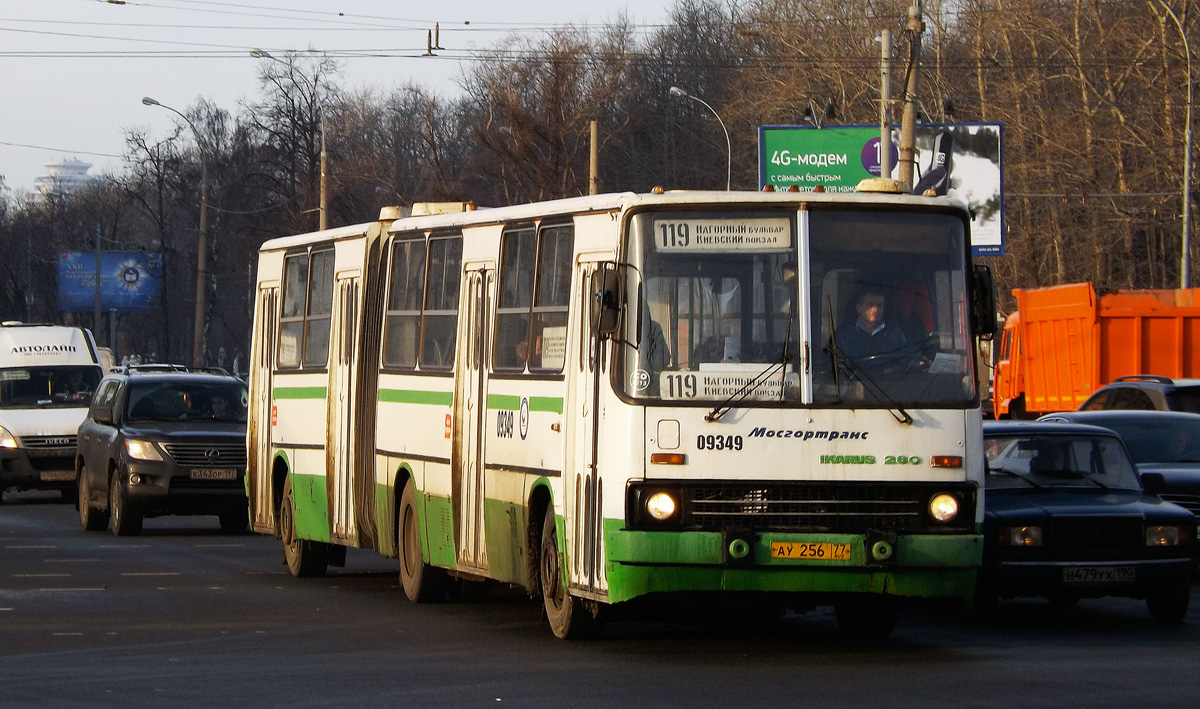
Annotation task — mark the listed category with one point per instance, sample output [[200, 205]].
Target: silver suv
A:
[[1146, 392]]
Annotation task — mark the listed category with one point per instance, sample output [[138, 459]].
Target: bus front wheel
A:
[[422, 582], [570, 617], [304, 558]]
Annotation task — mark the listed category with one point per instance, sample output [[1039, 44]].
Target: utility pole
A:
[[908, 121], [593, 158], [885, 103]]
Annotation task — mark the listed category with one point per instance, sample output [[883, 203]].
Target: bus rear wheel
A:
[[422, 582], [304, 558], [570, 617]]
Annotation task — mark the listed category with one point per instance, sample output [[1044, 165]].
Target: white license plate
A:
[[214, 474], [56, 476], [1099, 574]]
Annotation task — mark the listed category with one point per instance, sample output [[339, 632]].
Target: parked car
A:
[[1146, 392], [1066, 517], [1165, 444], [163, 440]]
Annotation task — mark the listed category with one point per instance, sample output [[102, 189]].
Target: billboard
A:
[[962, 160], [130, 281]]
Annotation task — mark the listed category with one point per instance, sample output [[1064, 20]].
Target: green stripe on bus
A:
[[412, 396], [300, 392], [504, 402]]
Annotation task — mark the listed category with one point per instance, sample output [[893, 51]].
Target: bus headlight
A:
[[943, 507], [1027, 536], [660, 506], [7, 440], [141, 450], [1164, 536]]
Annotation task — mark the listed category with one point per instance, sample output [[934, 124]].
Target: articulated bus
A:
[[630, 396]]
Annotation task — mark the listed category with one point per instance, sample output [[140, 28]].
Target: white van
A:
[[47, 376]]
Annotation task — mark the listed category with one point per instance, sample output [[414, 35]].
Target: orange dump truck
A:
[[1064, 342]]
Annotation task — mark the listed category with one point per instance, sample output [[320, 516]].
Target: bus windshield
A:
[[828, 306]]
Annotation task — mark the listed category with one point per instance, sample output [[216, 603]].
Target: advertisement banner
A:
[[130, 281], [962, 160]]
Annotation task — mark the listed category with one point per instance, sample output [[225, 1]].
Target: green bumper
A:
[[923, 566]]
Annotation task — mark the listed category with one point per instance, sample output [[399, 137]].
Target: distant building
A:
[[61, 178]]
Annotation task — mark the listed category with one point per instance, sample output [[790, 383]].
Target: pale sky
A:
[[75, 71]]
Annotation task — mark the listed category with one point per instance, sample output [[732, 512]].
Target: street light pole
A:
[[1185, 259], [201, 239], [680, 93], [261, 54]]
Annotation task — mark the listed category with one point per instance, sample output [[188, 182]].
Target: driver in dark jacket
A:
[[868, 342]]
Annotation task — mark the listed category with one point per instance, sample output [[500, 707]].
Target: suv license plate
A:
[[56, 476], [1099, 574], [214, 474]]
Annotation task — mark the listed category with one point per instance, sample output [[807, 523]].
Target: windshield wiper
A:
[[1015, 474], [1082, 476], [748, 388], [895, 409]]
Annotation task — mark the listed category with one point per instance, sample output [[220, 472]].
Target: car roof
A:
[[996, 429], [1101, 415], [174, 375]]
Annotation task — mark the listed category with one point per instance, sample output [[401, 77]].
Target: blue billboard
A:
[[130, 281]]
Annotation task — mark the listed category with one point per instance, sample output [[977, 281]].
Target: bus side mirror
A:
[[983, 301], [607, 297]]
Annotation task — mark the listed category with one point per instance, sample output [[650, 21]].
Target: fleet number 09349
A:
[[718, 443]]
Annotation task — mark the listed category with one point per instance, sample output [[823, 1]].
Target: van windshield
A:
[[48, 387]]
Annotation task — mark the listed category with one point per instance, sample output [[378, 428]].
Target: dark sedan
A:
[[1164, 444], [1065, 517]]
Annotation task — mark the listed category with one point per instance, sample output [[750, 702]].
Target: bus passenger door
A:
[[261, 421], [339, 452], [470, 407], [582, 501]]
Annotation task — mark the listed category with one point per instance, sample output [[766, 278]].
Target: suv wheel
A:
[[125, 522], [90, 518]]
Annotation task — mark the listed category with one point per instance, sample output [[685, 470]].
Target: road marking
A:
[[59, 590], [38, 576], [124, 546], [70, 560], [220, 546], [68, 634], [31, 546], [151, 573]]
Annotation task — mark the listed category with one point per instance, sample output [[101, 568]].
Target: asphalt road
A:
[[186, 616]]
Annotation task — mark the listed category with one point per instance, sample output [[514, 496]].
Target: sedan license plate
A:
[[56, 476], [214, 473], [810, 550], [1099, 574]]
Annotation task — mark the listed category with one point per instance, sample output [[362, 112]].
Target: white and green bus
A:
[[627, 396]]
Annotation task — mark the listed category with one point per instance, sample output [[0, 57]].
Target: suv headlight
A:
[[7, 440], [142, 450]]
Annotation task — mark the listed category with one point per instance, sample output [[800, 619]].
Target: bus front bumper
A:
[[919, 565]]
